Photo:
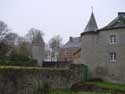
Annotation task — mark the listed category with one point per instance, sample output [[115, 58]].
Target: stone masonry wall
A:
[[112, 71], [20, 80], [95, 52]]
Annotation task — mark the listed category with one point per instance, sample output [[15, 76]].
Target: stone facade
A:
[[38, 51], [95, 52], [77, 55], [26, 80]]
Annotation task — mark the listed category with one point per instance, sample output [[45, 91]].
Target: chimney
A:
[[71, 39], [121, 13]]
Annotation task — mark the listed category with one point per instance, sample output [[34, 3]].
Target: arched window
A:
[[112, 56]]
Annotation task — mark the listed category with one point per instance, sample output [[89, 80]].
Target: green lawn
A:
[[60, 92], [107, 85], [94, 93], [71, 92], [30, 68], [111, 86]]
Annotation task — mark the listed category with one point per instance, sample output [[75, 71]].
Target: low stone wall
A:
[[25, 80]]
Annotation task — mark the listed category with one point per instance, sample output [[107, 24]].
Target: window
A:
[[113, 56], [113, 39], [65, 53]]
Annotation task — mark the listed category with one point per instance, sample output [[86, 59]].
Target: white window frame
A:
[[113, 39], [112, 56]]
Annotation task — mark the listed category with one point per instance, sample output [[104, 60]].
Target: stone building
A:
[[103, 50], [76, 56], [67, 51], [38, 49]]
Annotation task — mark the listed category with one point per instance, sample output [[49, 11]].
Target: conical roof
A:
[[91, 26], [38, 38]]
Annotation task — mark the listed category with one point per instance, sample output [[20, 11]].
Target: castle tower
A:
[[88, 44], [38, 49]]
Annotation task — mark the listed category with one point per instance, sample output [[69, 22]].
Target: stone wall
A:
[[25, 80]]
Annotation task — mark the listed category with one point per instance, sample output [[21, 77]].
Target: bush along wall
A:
[[17, 61]]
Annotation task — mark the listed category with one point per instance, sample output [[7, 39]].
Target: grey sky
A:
[[63, 17]]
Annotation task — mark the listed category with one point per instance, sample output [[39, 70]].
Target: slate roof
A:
[[74, 42], [118, 22], [91, 26]]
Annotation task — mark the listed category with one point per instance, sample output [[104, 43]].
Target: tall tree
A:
[[3, 45], [55, 44], [4, 48], [3, 30], [11, 38], [32, 33]]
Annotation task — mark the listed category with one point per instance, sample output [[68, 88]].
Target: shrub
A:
[[17, 61]]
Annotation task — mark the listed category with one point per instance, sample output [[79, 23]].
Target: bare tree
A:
[[55, 44], [32, 33], [4, 47], [3, 30], [11, 38]]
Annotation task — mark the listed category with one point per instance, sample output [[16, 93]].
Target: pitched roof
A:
[[118, 22], [91, 26], [74, 42], [78, 51]]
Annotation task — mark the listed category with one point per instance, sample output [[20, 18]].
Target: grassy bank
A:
[[102, 88], [79, 92], [30, 68], [106, 85]]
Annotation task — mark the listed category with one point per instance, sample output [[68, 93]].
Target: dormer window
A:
[[113, 39]]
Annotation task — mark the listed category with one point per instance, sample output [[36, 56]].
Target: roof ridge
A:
[[115, 23]]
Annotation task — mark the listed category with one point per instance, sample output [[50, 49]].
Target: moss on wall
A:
[[23, 80]]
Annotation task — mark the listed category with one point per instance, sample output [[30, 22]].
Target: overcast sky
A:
[[57, 17]]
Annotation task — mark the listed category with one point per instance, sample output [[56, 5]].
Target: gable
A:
[[118, 22]]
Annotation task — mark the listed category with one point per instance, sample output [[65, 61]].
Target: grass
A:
[[111, 85], [30, 68], [67, 92], [71, 92], [107, 85], [60, 92], [94, 93]]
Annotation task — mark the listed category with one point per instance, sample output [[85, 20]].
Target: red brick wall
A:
[[67, 54]]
